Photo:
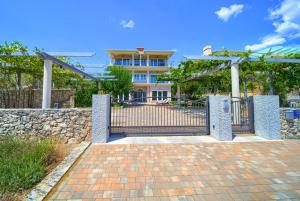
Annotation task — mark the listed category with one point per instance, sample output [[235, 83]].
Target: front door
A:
[[139, 96]]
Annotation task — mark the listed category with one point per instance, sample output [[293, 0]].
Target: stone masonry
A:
[[290, 129], [67, 125]]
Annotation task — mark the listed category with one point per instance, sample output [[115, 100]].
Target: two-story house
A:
[[145, 66]]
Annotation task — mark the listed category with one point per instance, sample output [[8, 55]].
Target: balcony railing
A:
[[143, 62], [142, 78], [153, 80], [139, 81]]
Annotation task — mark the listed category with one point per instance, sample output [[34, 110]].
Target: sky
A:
[[185, 26]]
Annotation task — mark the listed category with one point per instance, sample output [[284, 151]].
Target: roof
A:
[[113, 52], [277, 51]]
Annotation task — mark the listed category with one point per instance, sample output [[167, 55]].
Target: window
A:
[[118, 62], [126, 62], [143, 61], [123, 62], [157, 62], [136, 62], [165, 95], [153, 79], [154, 95], [140, 78], [159, 95]]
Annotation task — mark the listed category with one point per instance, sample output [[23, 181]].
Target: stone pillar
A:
[[220, 117], [266, 117], [100, 118], [47, 81]]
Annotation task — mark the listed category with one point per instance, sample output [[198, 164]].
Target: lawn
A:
[[23, 163]]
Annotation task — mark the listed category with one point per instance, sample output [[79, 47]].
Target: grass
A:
[[23, 163]]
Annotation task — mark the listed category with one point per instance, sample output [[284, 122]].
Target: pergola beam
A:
[[65, 65]]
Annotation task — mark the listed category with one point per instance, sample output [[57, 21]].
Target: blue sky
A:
[[182, 25]]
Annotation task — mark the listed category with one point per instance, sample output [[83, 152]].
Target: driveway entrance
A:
[[202, 171], [165, 117]]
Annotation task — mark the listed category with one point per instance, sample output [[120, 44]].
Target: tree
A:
[[271, 78], [122, 85], [26, 72], [18, 72]]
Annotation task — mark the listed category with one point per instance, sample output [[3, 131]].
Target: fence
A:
[[242, 115], [32, 98], [150, 117]]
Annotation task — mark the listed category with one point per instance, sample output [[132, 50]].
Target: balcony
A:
[[139, 78], [158, 62], [123, 62], [142, 78], [153, 80], [142, 62]]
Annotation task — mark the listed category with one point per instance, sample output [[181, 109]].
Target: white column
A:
[[47, 84], [235, 93], [148, 77], [235, 81], [132, 76], [132, 59], [140, 59], [148, 60]]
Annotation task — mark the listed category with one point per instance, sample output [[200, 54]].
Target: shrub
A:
[[23, 163]]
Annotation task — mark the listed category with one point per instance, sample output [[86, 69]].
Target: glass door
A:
[[159, 95]]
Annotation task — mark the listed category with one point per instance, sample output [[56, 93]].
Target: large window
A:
[[159, 95], [140, 78], [158, 62], [154, 95], [123, 62], [153, 79], [137, 62]]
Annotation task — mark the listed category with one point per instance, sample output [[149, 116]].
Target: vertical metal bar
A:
[[251, 114], [207, 115]]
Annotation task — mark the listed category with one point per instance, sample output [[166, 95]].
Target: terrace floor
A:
[[263, 170]]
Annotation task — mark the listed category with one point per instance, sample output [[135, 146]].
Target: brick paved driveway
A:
[[204, 171]]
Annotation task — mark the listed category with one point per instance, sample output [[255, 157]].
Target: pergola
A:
[[273, 54], [49, 59]]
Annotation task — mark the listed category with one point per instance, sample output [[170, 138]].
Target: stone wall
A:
[[68, 125], [290, 129]]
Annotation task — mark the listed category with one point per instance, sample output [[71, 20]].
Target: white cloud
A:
[[287, 17], [286, 21], [225, 13], [266, 41], [128, 24]]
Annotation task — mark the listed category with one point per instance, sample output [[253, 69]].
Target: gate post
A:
[[220, 117], [251, 114], [100, 118], [266, 117]]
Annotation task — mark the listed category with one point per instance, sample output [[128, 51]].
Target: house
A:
[[145, 66]]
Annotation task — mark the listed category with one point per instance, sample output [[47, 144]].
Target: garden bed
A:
[[25, 162]]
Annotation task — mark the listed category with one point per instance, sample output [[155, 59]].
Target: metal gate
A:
[[242, 115], [159, 117]]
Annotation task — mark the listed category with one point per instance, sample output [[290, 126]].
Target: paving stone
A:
[[195, 171]]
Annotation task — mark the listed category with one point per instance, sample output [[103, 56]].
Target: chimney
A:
[[207, 50], [140, 50]]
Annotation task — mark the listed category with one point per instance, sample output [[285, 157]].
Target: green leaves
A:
[[262, 77], [122, 84]]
